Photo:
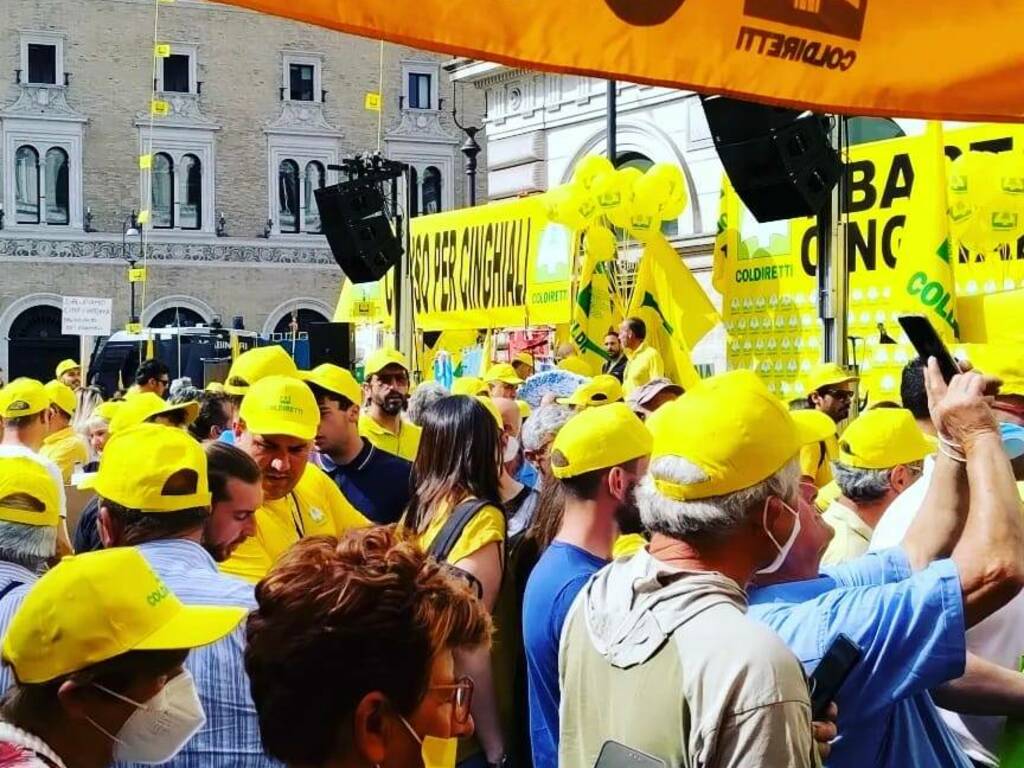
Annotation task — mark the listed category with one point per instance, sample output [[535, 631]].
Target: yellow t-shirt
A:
[[65, 449], [814, 464], [315, 508], [487, 526], [644, 364], [404, 444], [627, 545]]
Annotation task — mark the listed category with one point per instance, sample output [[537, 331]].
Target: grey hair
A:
[[861, 484], [86, 399], [424, 396], [30, 546], [543, 425], [713, 516]]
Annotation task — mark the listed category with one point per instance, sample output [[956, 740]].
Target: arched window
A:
[[288, 196], [304, 317], [190, 213], [163, 191], [26, 185], [176, 317], [56, 186], [431, 190], [315, 179]]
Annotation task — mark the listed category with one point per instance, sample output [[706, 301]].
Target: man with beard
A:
[[830, 390], [616, 363], [386, 386], [598, 458], [237, 493]]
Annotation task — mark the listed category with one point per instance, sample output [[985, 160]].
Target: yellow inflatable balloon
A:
[[589, 169], [570, 205], [677, 197], [600, 243]]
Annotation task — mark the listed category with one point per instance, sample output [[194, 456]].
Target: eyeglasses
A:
[[461, 697], [838, 394]]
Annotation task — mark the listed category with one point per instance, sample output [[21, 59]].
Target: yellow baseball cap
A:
[[28, 493], [503, 372], [732, 428], [487, 403], [1003, 360], [381, 359], [66, 365], [106, 410], [826, 375], [95, 606], [600, 390], [280, 405], [525, 358], [258, 363], [882, 439], [23, 397], [215, 387], [816, 424], [576, 364], [138, 461], [598, 438], [62, 396], [524, 409], [146, 406], [335, 379], [469, 385]]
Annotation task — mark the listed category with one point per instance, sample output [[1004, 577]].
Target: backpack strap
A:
[[8, 588], [451, 531]]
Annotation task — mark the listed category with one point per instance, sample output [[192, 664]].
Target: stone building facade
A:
[[257, 109]]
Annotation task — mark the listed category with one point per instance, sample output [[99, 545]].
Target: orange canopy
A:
[[912, 58]]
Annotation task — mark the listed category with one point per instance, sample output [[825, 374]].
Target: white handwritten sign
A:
[[86, 316]]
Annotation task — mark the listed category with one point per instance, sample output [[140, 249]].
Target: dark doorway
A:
[[35, 344], [173, 317], [305, 317]]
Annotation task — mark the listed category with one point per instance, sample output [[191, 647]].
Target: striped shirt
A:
[[12, 573]]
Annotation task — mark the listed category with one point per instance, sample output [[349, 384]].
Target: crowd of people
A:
[[297, 568]]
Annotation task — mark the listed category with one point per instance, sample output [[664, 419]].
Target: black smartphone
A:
[[615, 755], [926, 341], [830, 674]]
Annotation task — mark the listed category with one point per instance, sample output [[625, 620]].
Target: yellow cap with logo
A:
[[62, 396], [23, 397], [258, 363], [469, 385], [732, 428], [28, 493], [882, 439], [826, 375], [503, 372], [381, 359], [599, 438], [1003, 360], [92, 607], [817, 425], [146, 406], [335, 379], [600, 390], [140, 465], [280, 405], [65, 366]]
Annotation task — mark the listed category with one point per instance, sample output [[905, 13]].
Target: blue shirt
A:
[[910, 627], [555, 581], [375, 482]]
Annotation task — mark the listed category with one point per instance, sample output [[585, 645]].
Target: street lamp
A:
[[470, 149], [130, 228]]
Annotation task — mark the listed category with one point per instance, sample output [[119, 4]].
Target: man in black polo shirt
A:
[[374, 481]]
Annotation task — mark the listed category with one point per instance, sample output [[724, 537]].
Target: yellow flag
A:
[[926, 283], [234, 345], [727, 230], [371, 101], [593, 312], [162, 50], [150, 353]]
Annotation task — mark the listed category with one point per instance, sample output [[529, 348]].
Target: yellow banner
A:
[[767, 271], [918, 58], [501, 265]]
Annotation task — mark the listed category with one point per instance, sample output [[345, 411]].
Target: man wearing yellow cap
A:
[[97, 648], [522, 363], [668, 625], [374, 481], [502, 381], [469, 385], [69, 372], [29, 519], [63, 446], [276, 425], [386, 388], [598, 458], [248, 368], [880, 456], [830, 390]]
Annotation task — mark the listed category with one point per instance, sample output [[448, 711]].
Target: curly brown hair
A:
[[338, 619]]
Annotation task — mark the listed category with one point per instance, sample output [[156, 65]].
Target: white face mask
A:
[[158, 730], [783, 548], [511, 449]]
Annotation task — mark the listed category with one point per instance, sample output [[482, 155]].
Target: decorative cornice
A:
[[428, 126], [43, 102], [184, 113], [40, 249], [304, 118]]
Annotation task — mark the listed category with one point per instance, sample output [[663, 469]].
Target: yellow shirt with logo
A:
[[644, 363], [816, 464], [65, 449], [487, 526], [315, 508], [404, 444]]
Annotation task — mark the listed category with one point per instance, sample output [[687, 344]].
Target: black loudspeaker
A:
[[330, 343], [779, 161], [358, 230]]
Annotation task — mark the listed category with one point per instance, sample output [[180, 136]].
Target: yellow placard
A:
[[133, 327], [159, 108], [162, 50], [137, 275], [143, 217], [145, 162], [371, 101]]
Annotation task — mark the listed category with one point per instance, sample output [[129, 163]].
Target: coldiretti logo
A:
[[157, 596], [844, 18]]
